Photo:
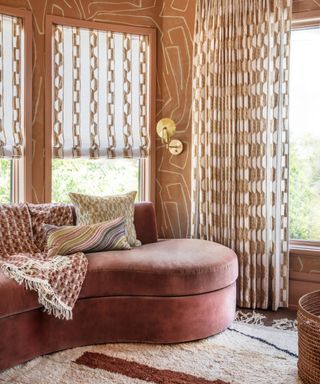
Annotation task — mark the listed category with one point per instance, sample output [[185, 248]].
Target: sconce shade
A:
[[166, 129]]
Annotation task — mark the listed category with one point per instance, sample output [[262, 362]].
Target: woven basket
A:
[[309, 338]]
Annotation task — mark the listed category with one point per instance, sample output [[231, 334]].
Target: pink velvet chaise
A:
[[166, 291]]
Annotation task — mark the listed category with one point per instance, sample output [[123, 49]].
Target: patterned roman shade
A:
[[11, 86], [100, 93]]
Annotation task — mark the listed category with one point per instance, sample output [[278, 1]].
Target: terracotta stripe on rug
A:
[[140, 371]]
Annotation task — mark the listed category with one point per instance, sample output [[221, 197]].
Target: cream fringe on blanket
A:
[[46, 295]]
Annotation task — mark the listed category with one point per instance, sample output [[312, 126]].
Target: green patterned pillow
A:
[[99, 237], [95, 209]]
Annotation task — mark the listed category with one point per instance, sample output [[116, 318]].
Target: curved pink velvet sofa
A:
[[166, 291]]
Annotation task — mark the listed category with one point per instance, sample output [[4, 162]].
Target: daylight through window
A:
[[304, 211]]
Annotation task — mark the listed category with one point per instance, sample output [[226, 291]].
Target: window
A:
[[94, 177], [305, 135], [100, 109], [15, 105]]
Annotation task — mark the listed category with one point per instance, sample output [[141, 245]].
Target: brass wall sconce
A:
[[166, 128]]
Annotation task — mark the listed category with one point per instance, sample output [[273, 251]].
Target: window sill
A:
[[304, 248]]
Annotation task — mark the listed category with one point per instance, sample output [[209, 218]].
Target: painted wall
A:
[[174, 22]]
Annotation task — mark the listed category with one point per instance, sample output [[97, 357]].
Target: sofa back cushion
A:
[[145, 222], [60, 214]]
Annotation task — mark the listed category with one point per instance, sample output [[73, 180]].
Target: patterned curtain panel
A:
[[100, 101], [240, 140], [11, 87]]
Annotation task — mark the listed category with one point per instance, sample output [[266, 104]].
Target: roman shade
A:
[[100, 93], [11, 83]]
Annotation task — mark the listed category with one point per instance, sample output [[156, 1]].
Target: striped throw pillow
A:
[[99, 237]]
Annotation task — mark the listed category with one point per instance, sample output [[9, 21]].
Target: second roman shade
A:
[[100, 93]]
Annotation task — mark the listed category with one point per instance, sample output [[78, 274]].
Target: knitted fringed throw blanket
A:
[[57, 280]]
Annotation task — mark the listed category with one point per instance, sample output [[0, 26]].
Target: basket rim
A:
[[306, 312]]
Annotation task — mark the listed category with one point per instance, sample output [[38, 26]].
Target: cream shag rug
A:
[[243, 354]]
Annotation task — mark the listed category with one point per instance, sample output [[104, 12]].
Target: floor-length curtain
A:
[[240, 140]]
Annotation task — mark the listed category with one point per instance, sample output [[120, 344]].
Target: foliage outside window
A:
[[5, 181], [94, 176], [304, 208]]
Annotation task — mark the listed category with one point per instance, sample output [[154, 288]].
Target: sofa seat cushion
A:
[[167, 268]]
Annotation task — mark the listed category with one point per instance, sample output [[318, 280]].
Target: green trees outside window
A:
[[5, 181], [304, 135], [96, 177]]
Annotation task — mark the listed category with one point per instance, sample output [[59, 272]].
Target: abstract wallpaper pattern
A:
[[305, 5]]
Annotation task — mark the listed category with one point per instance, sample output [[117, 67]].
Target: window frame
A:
[[307, 19], [300, 21], [21, 176], [147, 165]]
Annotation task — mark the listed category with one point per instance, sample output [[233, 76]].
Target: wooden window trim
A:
[[305, 20], [304, 247], [308, 19], [22, 169], [148, 166]]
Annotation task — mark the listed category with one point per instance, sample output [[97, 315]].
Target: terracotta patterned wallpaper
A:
[[174, 22], [306, 264], [305, 6]]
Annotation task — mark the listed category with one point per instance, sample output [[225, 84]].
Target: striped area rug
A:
[[243, 354]]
